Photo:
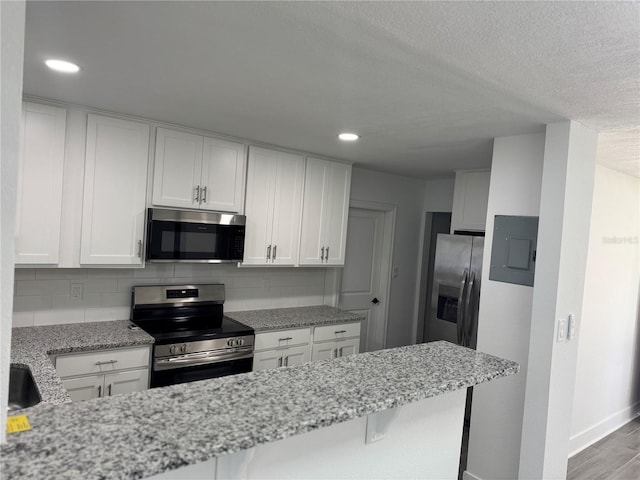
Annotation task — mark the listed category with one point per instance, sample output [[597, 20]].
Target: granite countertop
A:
[[31, 346], [145, 433], [297, 317]]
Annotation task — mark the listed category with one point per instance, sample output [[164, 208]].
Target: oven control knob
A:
[[183, 348], [173, 349], [230, 342], [239, 342]]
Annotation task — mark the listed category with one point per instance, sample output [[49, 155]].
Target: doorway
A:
[[365, 279]]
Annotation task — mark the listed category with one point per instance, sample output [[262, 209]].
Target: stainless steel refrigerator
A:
[[455, 293]]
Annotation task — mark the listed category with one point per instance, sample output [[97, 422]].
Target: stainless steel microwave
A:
[[194, 237]]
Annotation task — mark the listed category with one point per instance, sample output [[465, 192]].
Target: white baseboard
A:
[[591, 435], [466, 475]]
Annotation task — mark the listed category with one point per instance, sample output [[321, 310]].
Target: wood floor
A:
[[615, 457]]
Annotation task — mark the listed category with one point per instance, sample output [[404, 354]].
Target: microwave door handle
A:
[[460, 317], [468, 314]]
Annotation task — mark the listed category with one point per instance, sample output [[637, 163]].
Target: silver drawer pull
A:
[[340, 351], [197, 194], [99, 391], [109, 390], [109, 362], [340, 331], [204, 195], [322, 254], [269, 252], [286, 361], [275, 247], [285, 339], [280, 362]]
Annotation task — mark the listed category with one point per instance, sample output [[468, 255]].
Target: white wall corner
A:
[[565, 213], [12, 18]]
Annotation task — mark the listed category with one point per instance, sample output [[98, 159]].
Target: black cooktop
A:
[[175, 330]]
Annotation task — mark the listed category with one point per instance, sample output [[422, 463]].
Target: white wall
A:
[[607, 390], [12, 15], [505, 314], [438, 195], [563, 231], [42, 296], [407, 194]]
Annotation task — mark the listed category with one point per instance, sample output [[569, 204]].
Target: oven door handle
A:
[[203, 358]]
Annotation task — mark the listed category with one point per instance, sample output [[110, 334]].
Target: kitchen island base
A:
[[417, 440]]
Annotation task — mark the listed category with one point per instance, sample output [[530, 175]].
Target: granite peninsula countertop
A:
[[145, 433], [296, 317], [31, 346]]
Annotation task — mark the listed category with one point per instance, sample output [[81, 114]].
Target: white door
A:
[[267, 360], [296, 356], [361, 275], [315, 191], [115, 186], [335, 221], [126, 382], [39, 199], [323, 351], [348, 347], [177, 168], [287, 206], [84, 388], [222, 175]]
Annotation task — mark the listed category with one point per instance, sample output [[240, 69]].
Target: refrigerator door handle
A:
[[460, 321], [468, 312]]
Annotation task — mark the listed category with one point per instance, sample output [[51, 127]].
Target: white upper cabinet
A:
[[325, 212], [114, 203], [470, 199], [39, 201], [273, 204], [192, 171]]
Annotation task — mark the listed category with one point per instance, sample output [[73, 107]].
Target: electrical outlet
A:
[[76, 291], [562, 330]]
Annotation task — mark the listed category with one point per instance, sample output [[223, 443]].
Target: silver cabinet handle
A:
[[204, 195], [280, 362], [108, 362], [335, 353], [285, 339], [139, 248], [286, 361], [322, 254], [269, 252], [326, 255], [197, 197], [340, 331], [275, 247], [109, 390], [99, 391], [340, 351]]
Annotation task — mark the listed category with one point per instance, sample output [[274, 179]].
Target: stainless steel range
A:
[[193, 338]]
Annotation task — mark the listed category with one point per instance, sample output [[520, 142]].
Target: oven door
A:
[[190, 368], [171, 241]]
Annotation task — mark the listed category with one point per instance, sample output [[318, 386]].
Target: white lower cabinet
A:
[[338, 348], [333, 341], [285, 348], [104, 373], [282, 348]]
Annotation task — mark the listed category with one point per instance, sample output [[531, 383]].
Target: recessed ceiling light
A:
[[62, 66], [348, 137]]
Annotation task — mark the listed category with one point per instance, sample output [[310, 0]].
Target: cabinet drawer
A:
[[282, 338], [336, 332], [101, 361]]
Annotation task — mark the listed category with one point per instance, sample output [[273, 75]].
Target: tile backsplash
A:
[[43, 296]]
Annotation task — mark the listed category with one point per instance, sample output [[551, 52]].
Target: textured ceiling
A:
[[426, 84]]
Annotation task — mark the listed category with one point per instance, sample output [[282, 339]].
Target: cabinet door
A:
[[259, 205], [267, 359], [39, 199], [348, 347], [222, 175], [470, 200], [84, 388], [296, 356], [322, 351], [126, 382], [113, 210], [313, 212], [336, 213], [287, 207], [177, 169]]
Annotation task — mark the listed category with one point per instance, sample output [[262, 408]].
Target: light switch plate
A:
[[573, 325], [562, 330]]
